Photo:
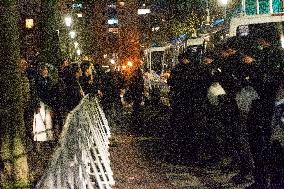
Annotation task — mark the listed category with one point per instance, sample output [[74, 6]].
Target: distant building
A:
[[29, 17], [116, 38]]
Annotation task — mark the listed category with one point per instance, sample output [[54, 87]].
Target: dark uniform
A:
[[189, 84], [136, 89], [266, 80], [231, 77]]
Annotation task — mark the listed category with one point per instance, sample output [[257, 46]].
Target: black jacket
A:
[[73, 93], [45, 90], [88, 88], [268, 74], [189, 82]]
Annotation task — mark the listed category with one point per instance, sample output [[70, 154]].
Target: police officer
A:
[[188, 84], [230, 77], [266, 80]]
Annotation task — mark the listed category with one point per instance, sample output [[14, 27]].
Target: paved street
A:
[[138, 159]]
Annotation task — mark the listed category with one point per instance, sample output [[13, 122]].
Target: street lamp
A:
[[224, 3], [78, 52], [72, 34], [76, 44], [68, 21], [129, 63], [207, 14], [112, 61]]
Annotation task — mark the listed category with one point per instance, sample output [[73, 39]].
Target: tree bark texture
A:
[[13, 157]]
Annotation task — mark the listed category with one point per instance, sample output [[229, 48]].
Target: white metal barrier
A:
[[82, 158]]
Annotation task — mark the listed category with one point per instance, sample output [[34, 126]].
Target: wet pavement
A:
[[138, 158]]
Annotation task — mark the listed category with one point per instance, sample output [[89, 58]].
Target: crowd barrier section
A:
[[81, 159]]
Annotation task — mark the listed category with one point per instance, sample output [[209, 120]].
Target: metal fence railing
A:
[[81, 159]]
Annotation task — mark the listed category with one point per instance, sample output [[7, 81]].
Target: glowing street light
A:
[[76, 44], [78, 51], [224, 2], [112, 61], [68, 21], [29, 23], [129, 63], [72, 34], [122, 3]]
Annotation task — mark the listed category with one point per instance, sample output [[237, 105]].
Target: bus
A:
[[265, 17]]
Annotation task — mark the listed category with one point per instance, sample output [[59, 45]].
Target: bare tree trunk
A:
[[13, 157]]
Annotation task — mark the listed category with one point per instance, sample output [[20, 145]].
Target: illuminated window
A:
[[112, 6], [143, 11], [29, 23], [113, 30], [112, 21], [77, 5]]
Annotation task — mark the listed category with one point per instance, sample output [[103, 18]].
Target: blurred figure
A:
[[230, 76], [112, 85], [266, 80], [188, 84], [29, 100], [72, 88], [87, 79], [136, 90], [164, 97], [147, 86], [212, 145], [43, 118], [62, 68]]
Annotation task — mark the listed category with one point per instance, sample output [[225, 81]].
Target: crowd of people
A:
[[222, 103], [245, 75], [50, 94]]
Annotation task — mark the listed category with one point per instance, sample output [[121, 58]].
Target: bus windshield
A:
[[273, 30]]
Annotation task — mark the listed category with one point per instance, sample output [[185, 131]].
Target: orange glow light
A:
[[129, 63], [123, 67]]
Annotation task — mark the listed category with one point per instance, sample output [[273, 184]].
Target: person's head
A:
[[208, 58], [183, 58], [87, 68], [146, 70], [248, 55], [43, 70], [230, 47], [23, 65], [65, 63], [266, 36], [248, 52], [75, 71], [263, 42]]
